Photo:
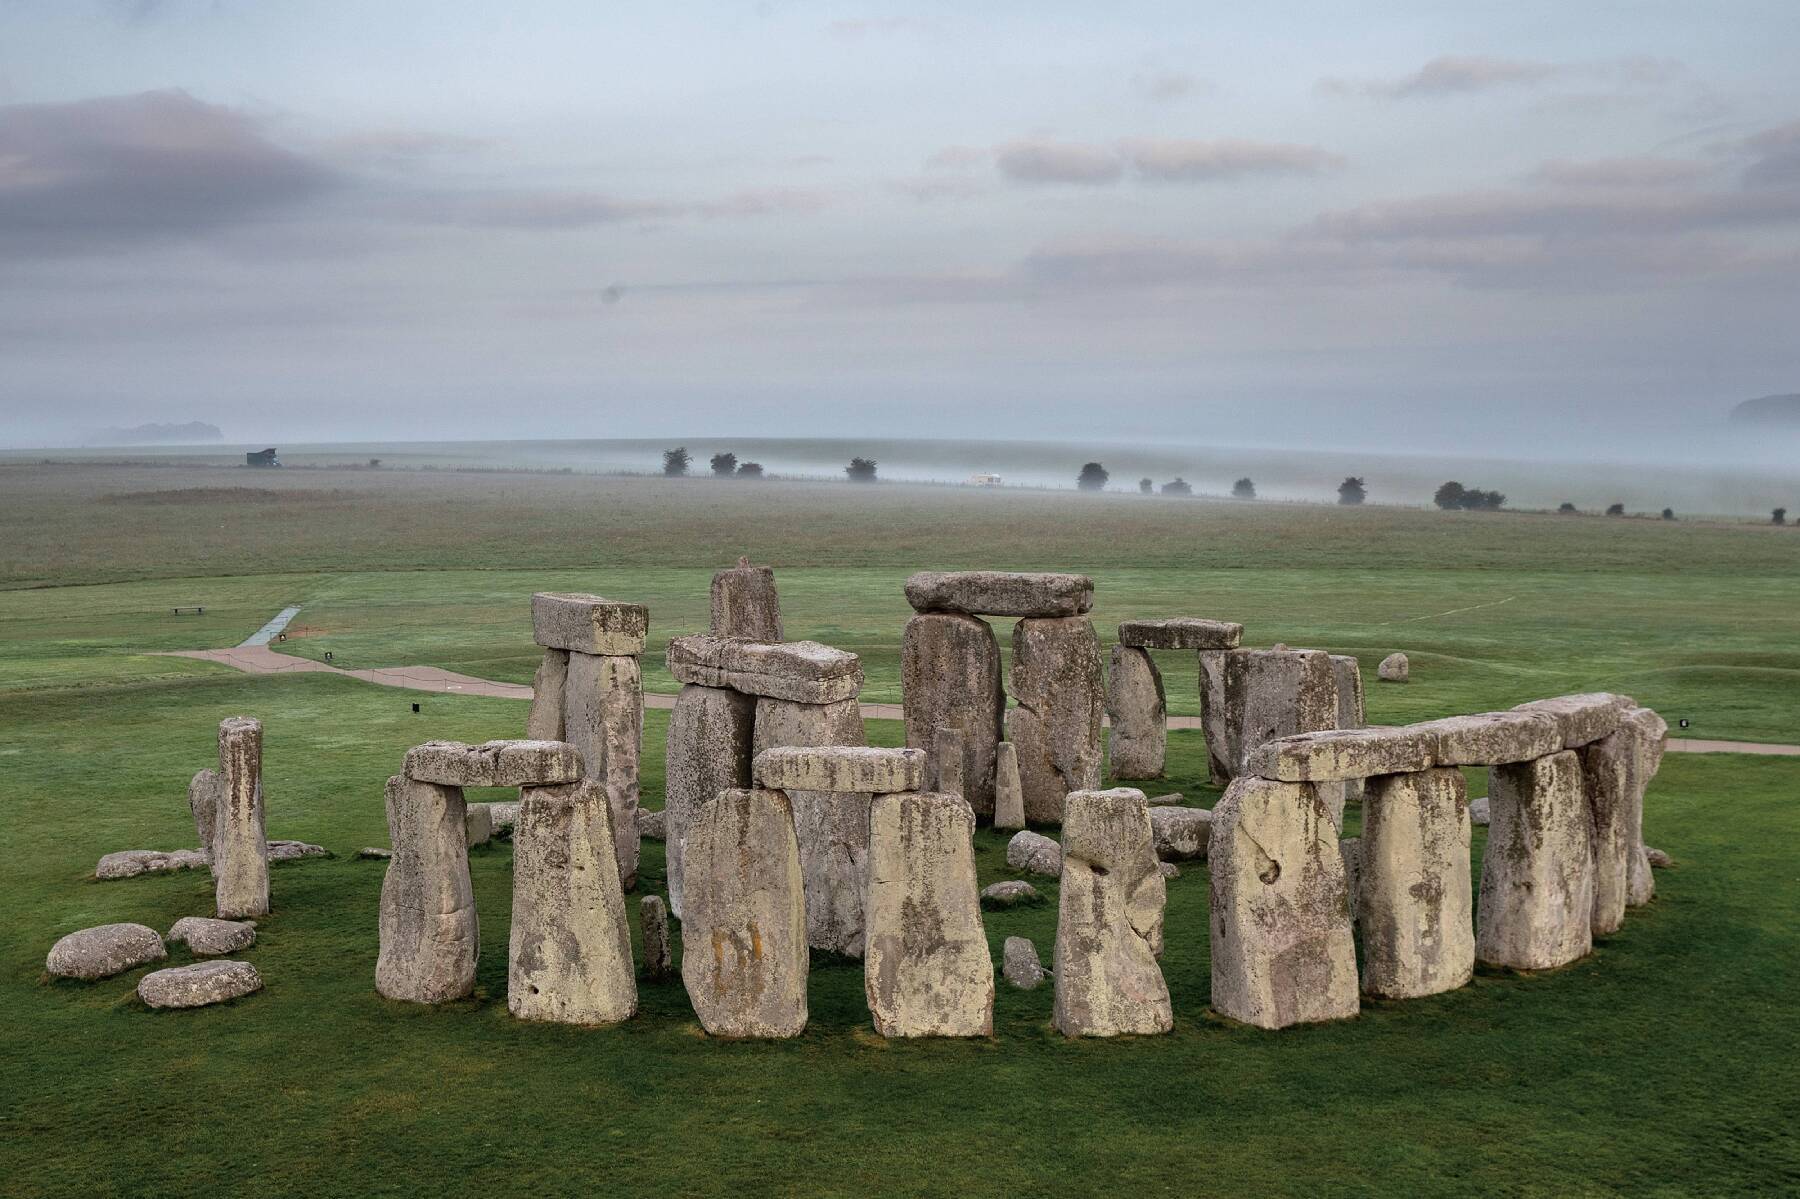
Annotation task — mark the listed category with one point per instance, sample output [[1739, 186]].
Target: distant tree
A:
[[1450, 495], [1093, 477], [1352, 491], [1145, 486], [1177, 486], [1615, 509], [675, 462], [1243, 489], [724, 465], [1483, 501], [861, 470], [1780, 516], [749, 470], [374, 464], [1668, 514], [1567, 509]]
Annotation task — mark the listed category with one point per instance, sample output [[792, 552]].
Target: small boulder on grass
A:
[[1012, 893], [103, 951], [1658, 859], [199, 985], [1394, 669], [1021, 965], [207, 937], [1034, 853]]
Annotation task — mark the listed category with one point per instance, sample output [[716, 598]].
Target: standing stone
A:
[[1394, 669], [708, 751], [1250, 696], [833, 828], [1350, 849], [745, 604], [241, 847], [744, 959], [950, 676], [947, 761], [1135, 702], [430, 935], [205, 792], [1418, 933], [1607, 770], [1652, 735], [1055, 728], [603, 715], [1282, 947], [1352, 711], [478, 824], [545, 720], [1020, 964], [1009, 794], [1537, 876], [659, 960], [927, 972], [1109, 920], [570, 960]]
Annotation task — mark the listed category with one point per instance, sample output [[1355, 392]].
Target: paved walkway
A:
[[269, 631]]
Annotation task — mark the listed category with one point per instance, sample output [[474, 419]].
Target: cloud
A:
[[93, 174], [1510, 214], [957, 158], [1164, 86], [1452, 74], [1776, 161], [396, 149], [764, 202], [1620, 172], [549, 211], [1179, 160], [1058, 162]]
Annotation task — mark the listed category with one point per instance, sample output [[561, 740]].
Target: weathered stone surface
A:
[[1491, 738], [1009, 793], [1395, 668], [651, 825], [570, 949], [1282, 947], [1181, 632], [1350, 849], [1035, 853], [1020, 964], [839, 768], [1171, 800], [803, 671], [430, 934], [1249, 696], [1180, 833], [833, 827], [206, 791], [744, 960], [545, 720], [659, 960], [1135, 703], [1657, 858], [1169, 869], [946, 761], [950, 677], [209, 938], [104, 951], [502, 817], [493, 763], [1334, 755], [588, 624], [708, 751], [1478, 811], [1418, 933], [375, 853], [1352, 714], [1537, 876], [1000, 593], [1608, 770], [927, 972], [199, 985], [1055, 729], [1652, 734], [603, 714], [1109, 926], [240, 858], [478, 824], [287, 851], [129, 863], [1584, 718], [1007, 894], [745, 603]]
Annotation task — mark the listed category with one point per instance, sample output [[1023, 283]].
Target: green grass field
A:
[[1664, 1064]]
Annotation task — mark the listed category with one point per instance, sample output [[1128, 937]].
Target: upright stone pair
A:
[[950, 677], [1134, 687], [1109, 927], [589, 692], [1251, 696], [227, 806]]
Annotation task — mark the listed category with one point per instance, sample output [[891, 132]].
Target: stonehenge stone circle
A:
[[708, 751], [1000, 593], [545, 720], [1055, 728], [1135, 703], [950, 677], [839, 768], [493, 763], [430, 934], [1109, 920], [1413, 896], [103, 951], [802, 671], [927, 972], [603, 719], [1020, 964], [198, 985], [659, 959], [1394, 669], [745, 603], [589, 624], [1035, 853], [1181, 632], [1009, 793], [1537, 880], [1282, 948], [947, 761], [569, 957], [240, 844], [744, 961], [206, 937]]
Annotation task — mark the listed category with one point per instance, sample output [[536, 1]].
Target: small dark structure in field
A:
[[262, 458]]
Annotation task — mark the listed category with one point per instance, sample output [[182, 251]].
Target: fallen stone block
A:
[[1537, 875], [1585, 718], [1171, 800], [1021, 966], [1008, 894], [1395, 668], [1138, 711], [1181, 632], [1491, 738], [199, 985], [950, 678], [1000, 593], [745, 603], [839, 768], [1412, 900], [1109, 927], [1009, 793], [1055, 729], [103, 951], [588, 624], [1180, 834], [129, 863], [711, 732], [1035, 853], [375, 853], [1335, 755], [281, 850], [493, 763], [207, 937], [802, 671]]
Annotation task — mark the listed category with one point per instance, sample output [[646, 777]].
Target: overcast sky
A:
[[1529, 224]]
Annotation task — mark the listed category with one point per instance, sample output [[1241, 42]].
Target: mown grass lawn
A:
[[1664, 1064]]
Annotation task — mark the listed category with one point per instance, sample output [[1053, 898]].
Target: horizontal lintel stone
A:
[[1335, 755], [803, 671], [843, 769], [494, 763], [1000, 593], [588, 624], [1584, 718], [1181, 632], [1492, 738]]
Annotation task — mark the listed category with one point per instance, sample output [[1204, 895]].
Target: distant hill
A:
[[1769, 410], [154, 434]]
